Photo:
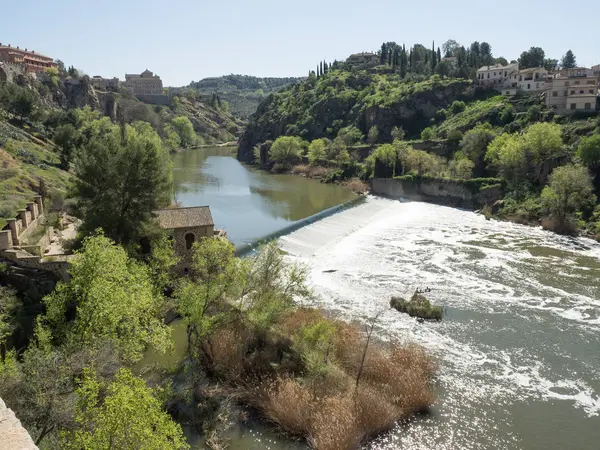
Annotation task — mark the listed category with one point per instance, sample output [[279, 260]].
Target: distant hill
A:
[[243, 93]]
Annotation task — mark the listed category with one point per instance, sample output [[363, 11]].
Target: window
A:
[[588, 106], [488, 75], [591, 91], [189, 240], [566, 93], [577, 82], [573, 106], [537, 85], [567, 83], [494, 73], [591, 82], [572, 92], [554, 94], [528, 86]]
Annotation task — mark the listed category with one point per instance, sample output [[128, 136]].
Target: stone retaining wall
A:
[[440, 191]]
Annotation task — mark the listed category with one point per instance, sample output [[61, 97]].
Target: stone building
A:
[[144, 83], [105, 84], [364, 59], [188, 225], [32, 61]]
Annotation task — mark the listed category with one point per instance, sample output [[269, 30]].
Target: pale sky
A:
[[185, 40]]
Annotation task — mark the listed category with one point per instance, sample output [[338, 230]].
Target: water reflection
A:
[[248, 203]]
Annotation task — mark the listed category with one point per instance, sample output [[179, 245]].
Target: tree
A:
[[501, 60], [550, 64], [439, 55], [543, 141], [62, 71], [569, 190], [113, 297], [122, 177], [568, 60], [40, 386], [382, 162], [67, 138], [485, 50], [123, 414], [433, 58], [10, 308], [317, 152], [397, 133], [383, 54], [337, 147], [588, 151], [474, 146], [286, 150], [350, 135], [18, 101], [506, 153], [422, 163], [403, 63], [450, 47], [184, 128], [462, 168], [373, 135], [427, 134], [534, 57]]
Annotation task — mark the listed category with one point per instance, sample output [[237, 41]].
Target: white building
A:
[[532, 79], [496, 75]]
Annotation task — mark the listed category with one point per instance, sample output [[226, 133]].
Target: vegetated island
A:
[[418, 306]]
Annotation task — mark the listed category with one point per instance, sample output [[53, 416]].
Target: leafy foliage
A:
[[110, 296], [123, 414]]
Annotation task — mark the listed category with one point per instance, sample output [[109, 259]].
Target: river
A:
[[519, 347]]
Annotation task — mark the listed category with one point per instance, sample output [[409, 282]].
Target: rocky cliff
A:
[[319, 108]]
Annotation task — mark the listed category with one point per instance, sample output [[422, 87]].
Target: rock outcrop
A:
[[12, 434]]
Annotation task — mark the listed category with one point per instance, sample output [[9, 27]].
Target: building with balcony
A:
[[32, 61], [144, 83], [495, 76], [573, 90]]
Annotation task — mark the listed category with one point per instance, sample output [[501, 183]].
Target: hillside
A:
[[243, 93], [348, 124], [321, 107]]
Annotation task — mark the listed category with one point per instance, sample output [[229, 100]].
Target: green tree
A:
[[184, 128], [534, 57], [317, 152], [350, 135], [543, 141], [171, 140], [588, 151], [113, 298], [462, 168], [550, 64], [286, 150], [569, 190], [474, 146], [427, 134], [568, 60], [450, 47], [10, 307], [124, 414], [422, 163], [67, 138], [383, 54], [397, 133], [373, 135], [122, 177], [506, 154], [337, 147]]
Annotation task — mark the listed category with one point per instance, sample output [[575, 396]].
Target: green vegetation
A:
[[418, 306], [243, 93], [413, 116], [122, 414]]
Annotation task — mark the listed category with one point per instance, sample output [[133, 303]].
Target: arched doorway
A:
[[190, 238]]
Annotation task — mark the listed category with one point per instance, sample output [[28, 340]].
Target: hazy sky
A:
[[185, 40]]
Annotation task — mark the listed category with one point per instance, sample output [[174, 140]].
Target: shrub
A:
[[286, 151], [427, 134], [418, 306], [457, 107]]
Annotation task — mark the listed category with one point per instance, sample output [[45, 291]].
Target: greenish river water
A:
[[519, 347]]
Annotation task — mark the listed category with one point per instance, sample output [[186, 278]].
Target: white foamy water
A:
[[519, 347]]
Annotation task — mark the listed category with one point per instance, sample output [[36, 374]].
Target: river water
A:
[[519, 347]]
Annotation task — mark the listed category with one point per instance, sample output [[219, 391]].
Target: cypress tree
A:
[[439, 55], [389, 57], [322, 73], [433, 58], [403, 63], [318, 72], [383, 55]]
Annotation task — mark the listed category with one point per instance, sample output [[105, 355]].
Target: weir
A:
[[247, 247]]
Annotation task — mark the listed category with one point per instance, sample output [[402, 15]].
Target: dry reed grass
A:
[[310, 171], [330, 411], [357, 185]]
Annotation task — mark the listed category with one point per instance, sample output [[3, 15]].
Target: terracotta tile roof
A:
[[196, 216]]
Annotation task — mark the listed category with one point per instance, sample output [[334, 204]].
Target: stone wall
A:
[[58, 265], [155, 99], [181, 249], [440, 191], [12, 434]]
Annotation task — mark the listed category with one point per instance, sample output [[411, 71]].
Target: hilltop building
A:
[[495, 76], [144, 83], [363, 59], [105, 84], [32, 61]]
